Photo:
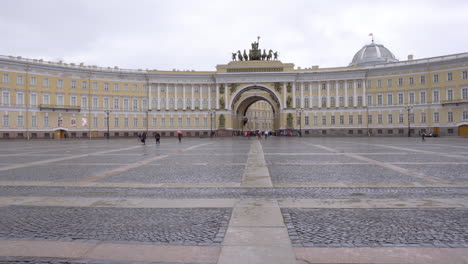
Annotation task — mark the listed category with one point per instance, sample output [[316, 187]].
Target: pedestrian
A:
[[179, 135], [143, 138], [423, 135], [157, 136], [266, 134], [248, 134]]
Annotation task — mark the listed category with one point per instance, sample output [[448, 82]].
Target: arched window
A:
[[197, 103], [171, 103], [163, 103], [188, 103], [180, 103], [306, 102]]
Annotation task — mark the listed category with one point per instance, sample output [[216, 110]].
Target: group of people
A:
[[258, 134], [157, 137]]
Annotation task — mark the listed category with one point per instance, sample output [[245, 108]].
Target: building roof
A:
[[372, 54]]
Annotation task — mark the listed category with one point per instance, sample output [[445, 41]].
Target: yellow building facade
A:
[[259, 117], [376, 95]]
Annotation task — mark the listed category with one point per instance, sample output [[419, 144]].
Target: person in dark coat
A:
[[143, 138], [157, 136], [179, 135]]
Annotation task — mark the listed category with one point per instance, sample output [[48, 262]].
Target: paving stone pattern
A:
[[213, 193], [28, 260], [377, 227], [169, 226]]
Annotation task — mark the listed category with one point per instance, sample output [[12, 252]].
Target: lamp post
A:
[[212, 112], [108, 133], [408, 108], [147, 120], [299, 111]]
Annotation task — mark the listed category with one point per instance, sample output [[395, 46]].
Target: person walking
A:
[[143, 138], [157, 136], [179, 135], [423, 135]]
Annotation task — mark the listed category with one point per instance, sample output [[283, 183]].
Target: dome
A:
[[372, 54]]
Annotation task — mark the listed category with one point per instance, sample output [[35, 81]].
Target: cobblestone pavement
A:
[[377, 227], [25, 260], [187, 226], [213, 193]]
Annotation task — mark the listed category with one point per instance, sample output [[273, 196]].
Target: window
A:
[[379, 99], [389, 99], [341, 101], [171, 122], [197, 122], [46, 121], [84, 102], [45, 82], [73, 100], [369, 84], [359, 119], [422, 79], [450, 94], [84, 85], [306, 120], [369, 119], [379, 118], [106, 103], [324, 120], [135, 104], [324, 101], [95, 122], [154, 121], [359, 84], [324, 86], [350, 85], [188, 103], [400, 118], [465, 115], [400, 81], [465, 93], [33, 81], [306, 102], [450, 116], [46, 99], [341, 85], [379, 83], [390, 118], [163, 103], [332, 101], [187, 122], [6, 120], [33, 99], [205, 122], [400, 98], [6, 98], [73, 84], [95, 86], [389, 82], [436, 117], [60, 99], [126, 122], [341, 119], [411, 98], [19, 98], [449, 76], [423, 97], [350, 101], [125, 87], [116, 122], [19, 80], [116, 103], [423, 117], [332, 120], [359, 100], [411, 117], [411, 81], [135, 88], [465, 75], [315, 120], [163, 122], [436, 96], [20, 122], [106, 87], [116, 87], [436, 78], [145, 122], [350, 119], [60, 84], [179, 103], [135, 122], [6, 78], [95, 102]]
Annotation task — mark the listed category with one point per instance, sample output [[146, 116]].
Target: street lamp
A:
[[300, 111], [147, 119], [408, 108], [367, 120], [212, 112], [108, 133]]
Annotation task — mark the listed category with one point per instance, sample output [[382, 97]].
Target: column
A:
[[364, 95], [225, 96], [328, 93], [310, 95], [337, 96], [302, 95], [217, 96], [193, 97], [159, 97], [184, 105], [319, 94], [167, 96], [150, 97], [284, 96], [294, 94], [200, 95], [355, 93], [209, 96], [346, 93]]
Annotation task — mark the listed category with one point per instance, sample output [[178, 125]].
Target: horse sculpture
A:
[[270, 55], [239, 55], [246, 58], [234, 56], [276, 55]]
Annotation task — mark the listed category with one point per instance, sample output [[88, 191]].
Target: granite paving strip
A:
[[135, 165], [388, 166], [387, 255], [29, 164], [256, 231], [109, 252]]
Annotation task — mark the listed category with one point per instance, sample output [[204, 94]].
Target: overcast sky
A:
[[199, 34]]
